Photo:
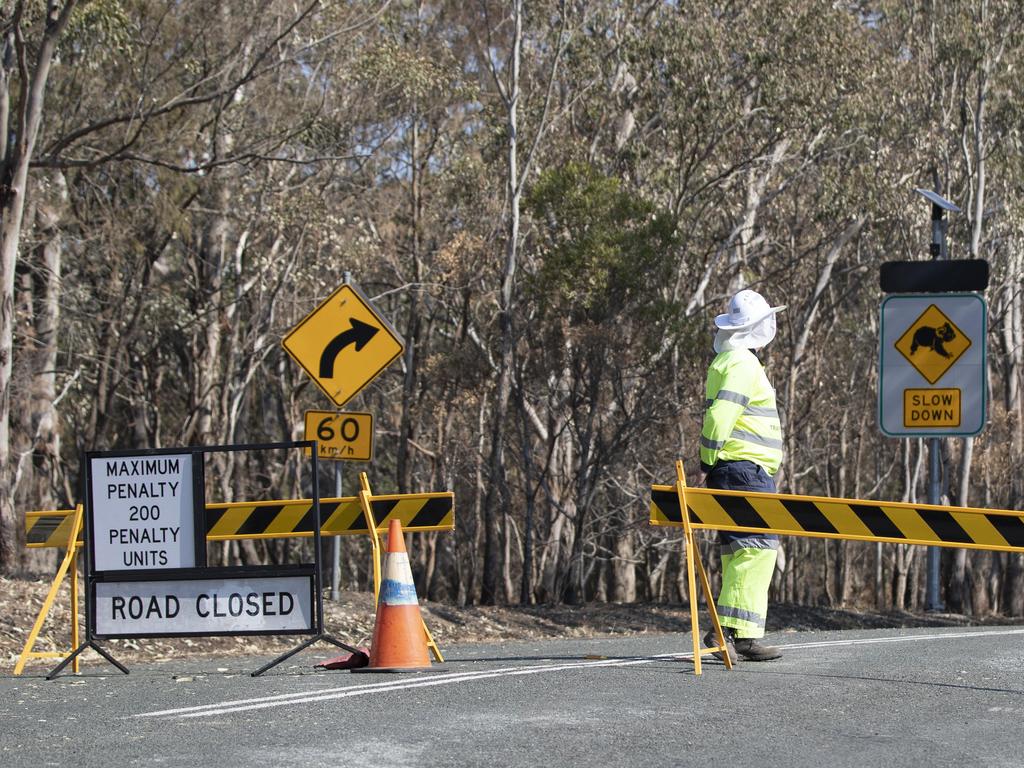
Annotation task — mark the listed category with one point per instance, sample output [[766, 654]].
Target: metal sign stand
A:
[[318, 580], [336, 543], [933, 599], [90, 642], [191, 565]]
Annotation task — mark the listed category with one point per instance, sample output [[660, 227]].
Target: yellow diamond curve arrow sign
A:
[[344, 344], [932, 344]]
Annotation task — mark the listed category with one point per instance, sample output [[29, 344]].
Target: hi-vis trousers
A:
[[748, 559]]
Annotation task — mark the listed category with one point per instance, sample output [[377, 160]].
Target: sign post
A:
[[343, 345], [941, 338]]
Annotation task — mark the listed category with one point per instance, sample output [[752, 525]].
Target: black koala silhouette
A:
[[933, 338]]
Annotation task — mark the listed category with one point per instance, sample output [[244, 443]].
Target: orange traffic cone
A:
[[399, 642]]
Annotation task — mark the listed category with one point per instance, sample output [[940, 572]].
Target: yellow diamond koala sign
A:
[[932, 370], [933, 343]]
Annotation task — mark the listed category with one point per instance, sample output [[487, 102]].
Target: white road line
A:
[[368, 687], [400, 684], [428, 683], [902, 638], [285, 699]]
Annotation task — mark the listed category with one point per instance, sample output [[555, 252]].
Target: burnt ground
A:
[[351, 620]]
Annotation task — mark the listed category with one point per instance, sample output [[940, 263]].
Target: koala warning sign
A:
[[932, 370], [933, 343]]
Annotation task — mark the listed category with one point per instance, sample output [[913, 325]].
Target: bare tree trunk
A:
[[407, 425], [623, 566], [957, 583], [46, 468], [526, 582], [14, 162], [496, 464], [509, 89], [806, 324]]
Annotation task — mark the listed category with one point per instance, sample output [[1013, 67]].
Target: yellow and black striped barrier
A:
[[788, 514], [44, 528], [340, 517], [344, 516], [833, 518], [49, 529], [417, 512]]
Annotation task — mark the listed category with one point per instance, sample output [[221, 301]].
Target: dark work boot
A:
[[711, 641], [751, 650]]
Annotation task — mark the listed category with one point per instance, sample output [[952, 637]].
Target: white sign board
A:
[[204, 606], [142, 512], [932, 366]]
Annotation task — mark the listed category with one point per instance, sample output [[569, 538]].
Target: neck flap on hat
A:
[[754, 337]]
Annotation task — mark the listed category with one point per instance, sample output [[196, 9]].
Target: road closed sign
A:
[[240, 605], [932, 380]]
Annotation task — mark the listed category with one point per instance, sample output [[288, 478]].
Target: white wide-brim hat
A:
[[747, 308]]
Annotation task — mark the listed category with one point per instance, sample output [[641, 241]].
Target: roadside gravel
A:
[[351, 620]]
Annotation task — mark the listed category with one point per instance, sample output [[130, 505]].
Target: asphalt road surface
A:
[[928, 697]]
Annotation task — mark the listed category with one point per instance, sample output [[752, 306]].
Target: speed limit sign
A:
[[341, 436]]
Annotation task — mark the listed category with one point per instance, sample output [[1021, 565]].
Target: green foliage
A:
[[603, 251], [402, 76], [99, 32]]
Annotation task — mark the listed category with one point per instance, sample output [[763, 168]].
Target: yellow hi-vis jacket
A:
[[741, 422]]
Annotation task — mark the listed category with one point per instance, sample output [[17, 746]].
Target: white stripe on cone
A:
[[397, 587]]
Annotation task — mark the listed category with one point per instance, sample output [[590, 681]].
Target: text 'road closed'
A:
[[204, 606], [925, 408]]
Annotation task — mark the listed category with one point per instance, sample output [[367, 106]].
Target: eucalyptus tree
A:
[[151, 111], [31, 36]]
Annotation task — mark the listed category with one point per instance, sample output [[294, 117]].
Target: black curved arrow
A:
[[359, 334]]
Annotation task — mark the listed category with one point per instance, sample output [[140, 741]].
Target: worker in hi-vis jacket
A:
[[740, 450]]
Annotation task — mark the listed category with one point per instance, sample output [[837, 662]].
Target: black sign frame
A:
[[936, 276], [314, 570]]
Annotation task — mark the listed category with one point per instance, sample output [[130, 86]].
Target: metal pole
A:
[[932, 594], [933, 601], [346, 277], [336, 553]]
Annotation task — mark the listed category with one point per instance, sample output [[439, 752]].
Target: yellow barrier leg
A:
[[74, 607], [69, 559], [431, 644], [692, 585], [371, 524], [709, 598], [692, 556]]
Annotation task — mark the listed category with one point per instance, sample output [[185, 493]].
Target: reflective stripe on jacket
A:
[[741, 421]]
